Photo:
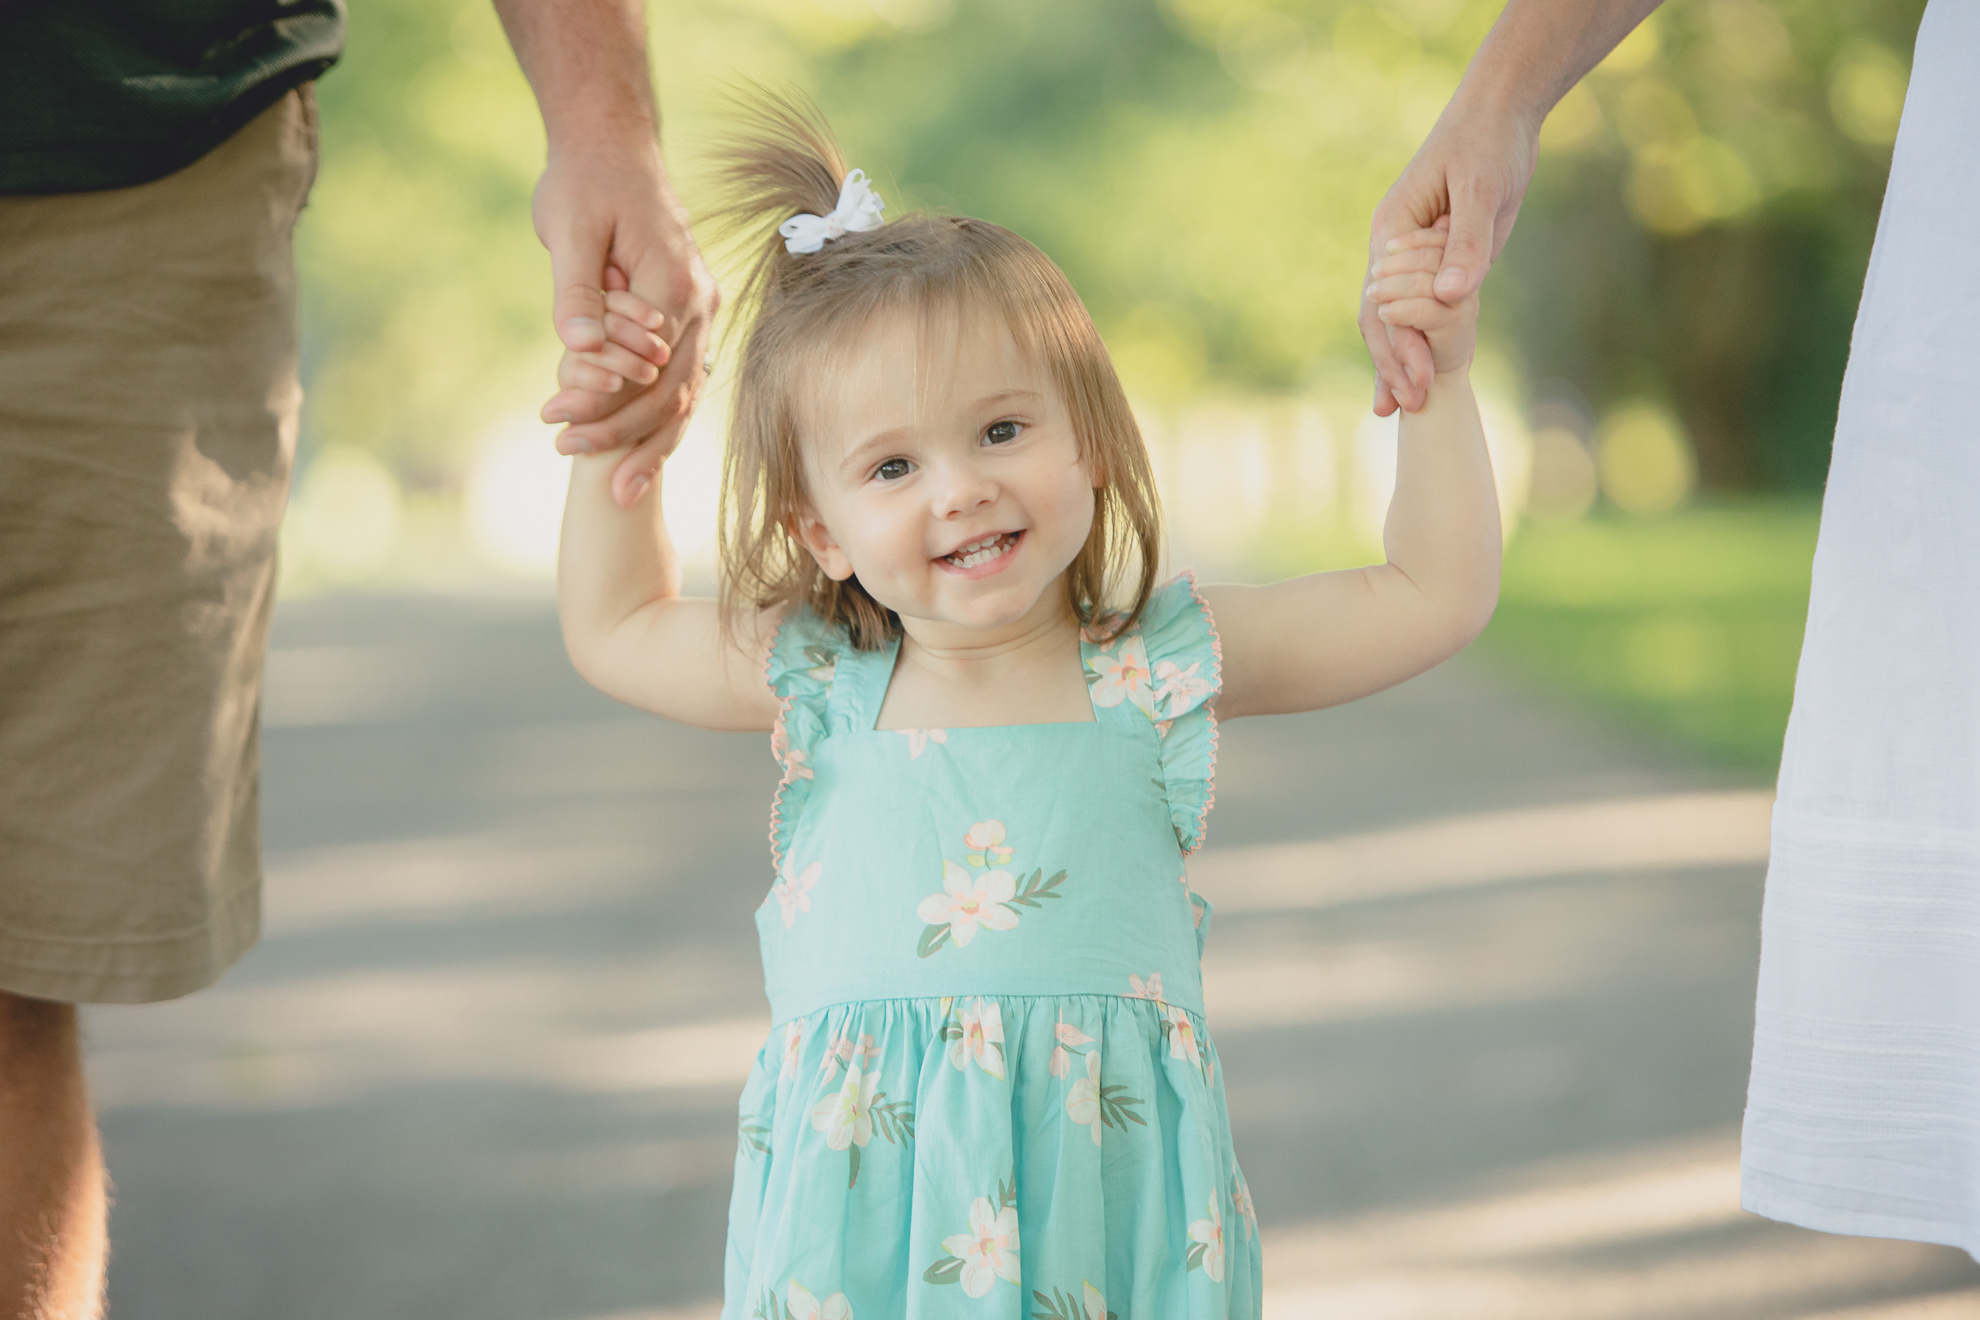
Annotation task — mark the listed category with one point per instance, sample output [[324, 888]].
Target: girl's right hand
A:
[[632, 351], [1402, 292]]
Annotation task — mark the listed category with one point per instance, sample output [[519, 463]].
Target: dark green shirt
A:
[[108, 93]]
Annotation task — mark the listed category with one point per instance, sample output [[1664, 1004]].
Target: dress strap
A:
[[802, 669], [1169, 667], [862, 686]]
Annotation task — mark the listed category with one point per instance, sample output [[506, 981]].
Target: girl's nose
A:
[[961, 489]]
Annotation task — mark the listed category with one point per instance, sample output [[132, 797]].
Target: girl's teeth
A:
[[980, 552]]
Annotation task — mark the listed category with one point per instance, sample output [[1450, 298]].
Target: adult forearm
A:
[[586, 63], [1538, 49]]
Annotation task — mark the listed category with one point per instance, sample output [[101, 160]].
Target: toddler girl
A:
[[989, 1090]]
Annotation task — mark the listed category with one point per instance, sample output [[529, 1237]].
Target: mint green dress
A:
[[989, 1092]]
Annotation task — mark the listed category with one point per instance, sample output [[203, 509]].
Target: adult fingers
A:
[[607, 369], [574, 405], [678, 389], [632, 420], [577, 269], [1468, 254], [1401, 356], [1391, 378]]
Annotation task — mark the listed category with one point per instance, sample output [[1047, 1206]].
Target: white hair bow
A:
[[858, 210]]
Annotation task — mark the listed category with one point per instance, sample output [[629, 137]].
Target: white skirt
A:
[[1863, 1114]]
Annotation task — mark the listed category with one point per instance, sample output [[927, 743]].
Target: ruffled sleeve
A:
[[1170, 667], [803, 661]]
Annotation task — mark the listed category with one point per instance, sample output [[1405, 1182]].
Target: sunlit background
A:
[[1482, 968], [1663, 338]]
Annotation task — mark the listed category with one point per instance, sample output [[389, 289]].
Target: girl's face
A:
[[943, 470]]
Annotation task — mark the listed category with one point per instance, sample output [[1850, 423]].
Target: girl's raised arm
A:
[[1331, 637], [628, 629]]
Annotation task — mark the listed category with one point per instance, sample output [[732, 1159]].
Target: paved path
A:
[[1481, 975]]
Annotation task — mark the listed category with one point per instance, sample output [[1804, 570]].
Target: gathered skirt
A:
[[996, 1157]]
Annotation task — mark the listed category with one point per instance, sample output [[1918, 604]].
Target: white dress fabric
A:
[[1863, 1112]]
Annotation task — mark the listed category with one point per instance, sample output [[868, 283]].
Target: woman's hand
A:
[[1473, 170], [1406, 287]]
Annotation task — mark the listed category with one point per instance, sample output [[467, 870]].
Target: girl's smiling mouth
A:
[[982, 557]]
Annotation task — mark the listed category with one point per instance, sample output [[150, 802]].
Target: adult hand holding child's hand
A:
[[607, 213], [1405, 289], [1472, 171], [635, 306]]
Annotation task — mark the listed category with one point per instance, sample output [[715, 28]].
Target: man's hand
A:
[[1473, 169], [608, 215], [633, 366]]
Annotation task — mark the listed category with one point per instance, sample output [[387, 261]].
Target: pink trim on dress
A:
[[1209, 711], [779, 748]]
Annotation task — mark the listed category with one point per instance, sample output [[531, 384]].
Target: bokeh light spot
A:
[[1644, 460]]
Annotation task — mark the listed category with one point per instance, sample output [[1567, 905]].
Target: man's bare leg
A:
[[53, 1200]]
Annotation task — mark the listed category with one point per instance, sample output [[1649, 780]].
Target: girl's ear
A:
[[816, 537]]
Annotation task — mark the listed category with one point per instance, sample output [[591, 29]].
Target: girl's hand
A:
[[632, 352], [1402, 291]]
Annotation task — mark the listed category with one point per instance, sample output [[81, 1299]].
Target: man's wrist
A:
[[607, 128]]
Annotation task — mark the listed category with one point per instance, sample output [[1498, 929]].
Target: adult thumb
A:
[[577, 270], [1468, 252]]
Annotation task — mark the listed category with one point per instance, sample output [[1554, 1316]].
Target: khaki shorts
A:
[[148, 406]]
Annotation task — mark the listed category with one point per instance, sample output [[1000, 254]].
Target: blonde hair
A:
[[784, 161]]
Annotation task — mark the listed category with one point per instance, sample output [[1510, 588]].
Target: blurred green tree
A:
[[1204, 169]]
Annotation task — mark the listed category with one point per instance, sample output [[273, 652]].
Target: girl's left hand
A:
[[1402, 291]]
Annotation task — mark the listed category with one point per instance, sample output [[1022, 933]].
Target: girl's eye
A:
[[893, 469], [1002, 433]]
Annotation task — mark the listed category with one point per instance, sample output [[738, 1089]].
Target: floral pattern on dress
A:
[[793, 1045], [1206, 1244], [918, 740], [1179, 1029], [793, 893], [1119, 672], [799, 1304], [1093, 1105], [1067, 1037], [977, 1038], [850, 1117], [1060, 1304], [1181, 688], [985, 841], [1241, 1203], [998, 801], [968, 902], [987, 1252], [842, 1050]]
